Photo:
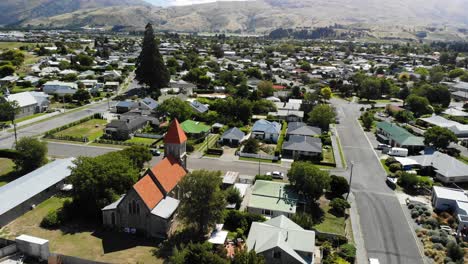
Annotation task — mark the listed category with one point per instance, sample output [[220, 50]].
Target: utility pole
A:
[[350, 179]]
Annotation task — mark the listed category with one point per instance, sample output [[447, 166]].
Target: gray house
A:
[[199, 107], [280, 240], [232, 137], [302, 146], [128, 124], [30, 102], [302, 129]]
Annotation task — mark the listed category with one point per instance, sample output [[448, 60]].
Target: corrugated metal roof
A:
[[20, 190], [166, 207]]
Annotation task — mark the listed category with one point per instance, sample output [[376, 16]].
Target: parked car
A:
[[374, 261], [400, 152], [381, 146], [275, 174], [391, 182], [155, 152]]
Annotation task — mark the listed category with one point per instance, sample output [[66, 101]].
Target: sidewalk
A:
[[39, 118], [336, 149], [361, 253]]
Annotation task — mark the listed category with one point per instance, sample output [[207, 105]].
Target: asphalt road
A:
[[386, 232], [7, 141]]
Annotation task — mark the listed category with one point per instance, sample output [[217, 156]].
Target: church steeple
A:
[[175, 143]]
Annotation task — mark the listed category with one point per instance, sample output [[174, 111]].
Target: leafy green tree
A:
[[404, 116], [33, 154], [464, 77], [367, 120], [369, 88], [304, 220], [15, 56], [265, 88], [203, 201], [418, 104], [251, 146], [85, 60], [348, 252], [81, 95], [139, 155], [408, 181], [254, 72], [6, 70], [326, 93], [448, 58], [457, 72], [305, 66], [308, 179], [196, 253], [436, 94], [175, 108], [322, 115], [339, 206], [439, 137], [233, 196], [217, 51], [150, 67], [250, 257], [99, 181], [338, 185]]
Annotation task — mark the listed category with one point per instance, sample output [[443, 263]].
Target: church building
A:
[[150, 205]]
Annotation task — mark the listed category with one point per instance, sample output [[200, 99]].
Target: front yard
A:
[[330, 223], [90, 129], [81, 240], [141, 141]]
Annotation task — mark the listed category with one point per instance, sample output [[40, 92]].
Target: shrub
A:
[[395, 167], [348, 252], [410, 206], [53, 219], [414, 214], [438, 246], [454, 251], [263, 177], [304, 220], [339, 205], [390, 160], [447, 260], [435, 239], [234, 220]]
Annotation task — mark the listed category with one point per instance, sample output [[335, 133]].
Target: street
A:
[[386, 232]]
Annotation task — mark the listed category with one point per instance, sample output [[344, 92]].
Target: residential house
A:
[[460, 130], [454, 200], [125, 106], [111, 86], [266, 130], [302, 129], [29, 102], [280, 240], [199, 107], [446, 168], [390, 133], [273, 199], [297, 146], [150, 205], [232, 137], [24, 193], [59, 88], [7, 80], [127, 124], [195, 129]]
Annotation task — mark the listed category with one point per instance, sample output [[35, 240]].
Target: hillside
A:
[[15, 11], [264, 15]]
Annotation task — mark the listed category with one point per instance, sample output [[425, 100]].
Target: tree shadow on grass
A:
[[113, 241], [9, 177], [316, 213]]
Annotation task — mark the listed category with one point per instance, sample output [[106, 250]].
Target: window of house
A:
[[266, 212], [137, 208], [129, 208]]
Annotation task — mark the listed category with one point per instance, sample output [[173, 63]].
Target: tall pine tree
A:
[[151, 69]]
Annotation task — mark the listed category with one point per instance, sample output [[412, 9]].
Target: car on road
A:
[[374, 261], [391, 182], [275, 174], [155, 152], [381, 146]]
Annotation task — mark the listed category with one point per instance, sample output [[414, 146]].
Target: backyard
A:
[[91, 129], [81, 240], [330, 223]]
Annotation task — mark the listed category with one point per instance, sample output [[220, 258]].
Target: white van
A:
[[374, 261]]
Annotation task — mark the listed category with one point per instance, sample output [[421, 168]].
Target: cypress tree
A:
[[151, 69]]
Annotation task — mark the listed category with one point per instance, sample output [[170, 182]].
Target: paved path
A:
[[385, 231], [336, 149]]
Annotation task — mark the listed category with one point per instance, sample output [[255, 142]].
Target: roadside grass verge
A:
[[140, 140], [91, 129]]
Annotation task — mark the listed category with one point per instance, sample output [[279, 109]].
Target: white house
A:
[[60, 88], [452, 199]]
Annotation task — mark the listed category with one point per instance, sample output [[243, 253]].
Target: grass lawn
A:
[[331, 223], [7, 173], [211, 138], [328, 156], [463, 159], [92, 129], [15, 45], [81, 240], [140, 140], [19, 89]]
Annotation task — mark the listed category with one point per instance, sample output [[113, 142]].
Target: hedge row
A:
[[68, 138], [116, 142], [215, 151]]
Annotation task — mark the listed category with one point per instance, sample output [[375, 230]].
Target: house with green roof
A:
[[273, 199], [195, 129], [396, 136]]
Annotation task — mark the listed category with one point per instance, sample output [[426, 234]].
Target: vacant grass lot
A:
[[77, 239], [92, 129], [331, 223], [7, 173]]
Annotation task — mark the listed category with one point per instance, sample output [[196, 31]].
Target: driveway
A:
[[386, 232]]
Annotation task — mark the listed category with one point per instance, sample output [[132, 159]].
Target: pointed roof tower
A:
[[175, 134]]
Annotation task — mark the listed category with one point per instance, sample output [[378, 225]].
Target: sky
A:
[[183, 2]]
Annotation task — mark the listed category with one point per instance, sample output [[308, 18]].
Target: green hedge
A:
[[215, 151], [9, 154], [116, 142], [68, 138]]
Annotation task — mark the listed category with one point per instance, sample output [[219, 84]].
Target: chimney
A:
[[128, 120]]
